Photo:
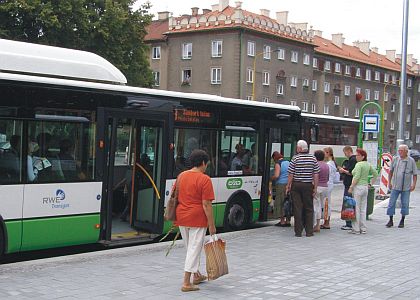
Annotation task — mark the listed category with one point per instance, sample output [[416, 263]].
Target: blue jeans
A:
[[405, 202], [346, 193]]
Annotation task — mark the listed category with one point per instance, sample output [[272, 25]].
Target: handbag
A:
[[326, 209], [216, 260], [348, 210], [170, 211], [287, 206]]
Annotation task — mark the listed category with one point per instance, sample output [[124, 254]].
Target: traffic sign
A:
[[371, 123]]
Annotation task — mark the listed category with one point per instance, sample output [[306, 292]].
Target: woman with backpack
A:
[[279, 179]]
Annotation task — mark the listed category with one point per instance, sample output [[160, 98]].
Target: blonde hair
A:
[[331, 154]]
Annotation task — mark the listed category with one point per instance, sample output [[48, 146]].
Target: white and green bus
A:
[[84, 158]]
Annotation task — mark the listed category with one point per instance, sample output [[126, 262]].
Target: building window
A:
[[408, 100], [216, 75], [385, 115], [337, 68], [280, 53], [326, 87], [409, 83], [357, 72], [249, 98], [386, 97], [187, 51], [305, 106], [293, 103], [356, 113], [377, 76], [386, 77], [418, 122], [392, 107], [367, 94], [326, 109], [186, 77], [346, 111], [408, 118], [418, 88], [306, 59], [417, 139], [358, 90], [418, 105], [156, 78], [336, 100], [346, 90], [394, 79], [251, 48], [295, 57], [265, 99], [376, 95], [313, 108], [315, 63], [266, 78], [305, 82], [293, 81], [327, 66], [216, 48], [156, 52], [250, 75], [368, 73], [267, 52], [280, 89], [392, 127], [407, 135], [315, 85], [347, 70]]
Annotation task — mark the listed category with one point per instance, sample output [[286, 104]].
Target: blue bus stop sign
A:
[[371, 123]]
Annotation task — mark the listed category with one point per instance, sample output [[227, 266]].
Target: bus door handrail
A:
[[150, 178]]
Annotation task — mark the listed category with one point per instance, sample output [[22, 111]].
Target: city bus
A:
[[329, 131], [84, 158]]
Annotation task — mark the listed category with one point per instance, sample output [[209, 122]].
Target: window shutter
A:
[[353, 71]]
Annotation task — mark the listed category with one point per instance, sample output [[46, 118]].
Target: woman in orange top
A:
[[194, 214]]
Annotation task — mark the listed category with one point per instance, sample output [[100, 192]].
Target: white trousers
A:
[[360, 195], [319, 199], [193, 238], [330, 189]]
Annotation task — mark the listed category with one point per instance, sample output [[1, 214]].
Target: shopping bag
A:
[[326, 209], [348, 210], [287, 206], [216, 261]]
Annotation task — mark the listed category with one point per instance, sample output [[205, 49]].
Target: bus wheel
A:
[[237, 216], [1, 242]]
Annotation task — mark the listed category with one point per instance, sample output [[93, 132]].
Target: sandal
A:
[[191, 288], [325, 227], [199, 279]]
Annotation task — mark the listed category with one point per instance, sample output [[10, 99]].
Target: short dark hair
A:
[[197, 158], [320, 155]]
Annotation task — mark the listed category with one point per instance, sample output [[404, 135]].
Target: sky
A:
[[378, 21]]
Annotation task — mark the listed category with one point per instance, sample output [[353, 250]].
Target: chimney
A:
[[317, 32], [410, 60], [301, 26], [337, 39], [363, 46], [223, 4], [215, 7], [390, 55], [398, 56], [206, 11], [238, 4], [194, 11], [265, 12], [281, 17], [163, 15], [375, 49]]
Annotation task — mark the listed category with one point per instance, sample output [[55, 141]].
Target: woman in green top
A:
[[359, 189]]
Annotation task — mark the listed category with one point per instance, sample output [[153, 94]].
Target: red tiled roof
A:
[[156, 30], [353, 53]]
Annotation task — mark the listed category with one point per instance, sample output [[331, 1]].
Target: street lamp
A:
[[254, 72]]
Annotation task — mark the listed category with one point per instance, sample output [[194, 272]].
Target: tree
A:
[[108, 28]]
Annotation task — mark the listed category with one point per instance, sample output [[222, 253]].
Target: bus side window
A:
[[10, 151]]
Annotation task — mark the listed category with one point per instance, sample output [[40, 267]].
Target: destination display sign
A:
[[194, 116]]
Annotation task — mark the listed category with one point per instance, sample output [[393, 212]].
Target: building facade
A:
[[231, 52]]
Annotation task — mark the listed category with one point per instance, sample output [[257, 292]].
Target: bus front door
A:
[[147, 175]]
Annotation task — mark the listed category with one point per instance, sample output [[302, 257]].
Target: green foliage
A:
[[108, 28]]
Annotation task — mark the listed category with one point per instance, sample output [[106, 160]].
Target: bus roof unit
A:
[[48, 61]]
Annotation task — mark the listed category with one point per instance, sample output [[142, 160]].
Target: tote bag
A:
[[216, 260]]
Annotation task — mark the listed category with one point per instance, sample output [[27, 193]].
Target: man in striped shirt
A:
[[302, 184]]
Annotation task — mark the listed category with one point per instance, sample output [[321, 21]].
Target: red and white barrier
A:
[[386, 165]]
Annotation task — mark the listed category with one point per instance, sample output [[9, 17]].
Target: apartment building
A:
[[231, 52]]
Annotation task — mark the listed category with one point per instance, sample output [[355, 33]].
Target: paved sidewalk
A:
[[265, 263]]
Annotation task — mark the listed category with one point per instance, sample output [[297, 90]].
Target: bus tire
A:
[[237, 215]]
